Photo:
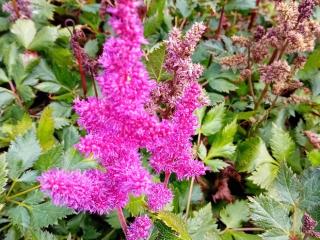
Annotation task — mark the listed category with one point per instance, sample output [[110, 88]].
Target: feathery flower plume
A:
[[118, 126], [309, 225]]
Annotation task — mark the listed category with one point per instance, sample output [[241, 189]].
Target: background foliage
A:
[[264, 171]]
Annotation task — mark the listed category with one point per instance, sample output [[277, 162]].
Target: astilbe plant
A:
[[120, 124]]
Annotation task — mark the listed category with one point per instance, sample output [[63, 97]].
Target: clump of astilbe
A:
[[118, 125], [140, 228], [17, 9]]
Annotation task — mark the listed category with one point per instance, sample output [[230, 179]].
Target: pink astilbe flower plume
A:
[[118, 126]]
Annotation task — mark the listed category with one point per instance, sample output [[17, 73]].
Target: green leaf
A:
[[202, 224], [184, 7], [286, 186], [310, 193], [44, 38], [45, 214], [3, 76], [6, 97], [23, 125], [40, 235], [264, 174], [269, 214], [155, 63], [45, 129], [281, 143], [28, 176], [222, 85], [25, 31], [91, 48], [314, 157], [155, 17], [312, 61], [19, 217], [176, 223], [23, 152], [216, 164], [202, 151], [236, 235], [252, 153], [213, 120], [4, 24], [222, 145], [48, 87], [163, 232], [10, 59], [234, 214], [49, 159], [73, 160], [240, 5], [70, 137], [136, 205], [42, 10], [3, 173]]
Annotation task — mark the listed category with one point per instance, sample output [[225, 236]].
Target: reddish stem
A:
[[94, 83], [122, 220], [15, 8], [82, 75], [218, 31], [14, 91], [254, 14], [166, 178]]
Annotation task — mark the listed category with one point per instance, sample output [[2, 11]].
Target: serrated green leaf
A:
[[49, 159], [286, 186], [91, 48], [3, 76], [25, 31], [310, 193], [202, 224], [216, 164], [45, 129], [28, 176], [45, 214], [6, 97], [176, 223], [19, 217], [155, 63], [73, 160], [3, 173], [202, 151], [213, 120], [222, 85], [40, 235], [269, 214], [136, 205], [70, 136], [314, 157], [42, 10], [222, 145], [252, 153], [44, 38], [234, 214], [22, 126], [155, 18], [184, 7], [48, 87], [22, 153], [163, 232], [240, 5], [281, 143], [264, 174]]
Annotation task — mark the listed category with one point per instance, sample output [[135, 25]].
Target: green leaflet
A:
[[202, 224], [22, 154], [176, 223], [45, 129], [234, 214]]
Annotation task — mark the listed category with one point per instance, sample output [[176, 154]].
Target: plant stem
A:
[[218, 31], [254, 14], [122, 220], [189, 197], [82, 75], [20, 204], [24, 192], [248, 229], [192, 181], [166, 178], [11, 187], [15, 8], [94, 83], [263, 94], [14, 91], [251, 90]]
